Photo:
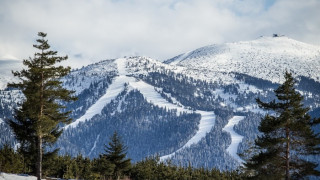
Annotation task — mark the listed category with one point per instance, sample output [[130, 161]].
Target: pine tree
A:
[[10, 161], [37, 122], [116, 154], [103, 167], [287, 137]]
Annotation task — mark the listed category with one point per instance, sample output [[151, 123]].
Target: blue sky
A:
[[89, 31]]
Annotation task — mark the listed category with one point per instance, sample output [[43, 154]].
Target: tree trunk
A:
[[287, 154], [39, 158], [39, 145]]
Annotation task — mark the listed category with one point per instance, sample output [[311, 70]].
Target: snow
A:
[[266, 58], [180, 58], [226, 97], [206, 124], [94, 144], [121, 65], [16, 146], [81, 79], [235, 137], [1, 121], [115, 88], [245, 88], [152, 96], [6, 176], [6, 76]]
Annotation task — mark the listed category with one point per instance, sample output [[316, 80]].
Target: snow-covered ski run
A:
[[152, 96], [114, 89], [206, 124], [235, 137], [94, 144], [117, 86]]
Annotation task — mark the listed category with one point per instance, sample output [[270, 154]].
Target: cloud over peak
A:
[[93, 30]]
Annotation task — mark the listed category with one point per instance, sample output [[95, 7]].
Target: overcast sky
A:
[[92, 30]]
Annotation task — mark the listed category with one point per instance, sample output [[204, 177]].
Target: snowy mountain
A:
[[198, 107], [6, 66], [266, 58]]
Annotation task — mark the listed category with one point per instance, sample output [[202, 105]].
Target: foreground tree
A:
[[115, 153], [37, 122], [287, 137]]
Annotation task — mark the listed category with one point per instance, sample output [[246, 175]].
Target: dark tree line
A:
[[112, 164]]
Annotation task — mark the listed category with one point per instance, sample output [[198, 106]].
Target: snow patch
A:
[[6, 176], [235, 137]]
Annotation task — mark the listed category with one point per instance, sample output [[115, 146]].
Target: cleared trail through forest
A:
[[235, 137], [207, 120]]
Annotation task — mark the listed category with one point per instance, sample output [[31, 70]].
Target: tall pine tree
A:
[[36, 123], [115, 153], [287, 137]]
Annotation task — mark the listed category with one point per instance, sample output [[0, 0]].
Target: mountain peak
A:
[[265, 57]]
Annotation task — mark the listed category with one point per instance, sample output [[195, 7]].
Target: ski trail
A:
[[235, 137], [115, 88], [94, 145], [179, 59], [206, 124], [153, 97]]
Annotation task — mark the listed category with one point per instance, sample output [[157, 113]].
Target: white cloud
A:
[[90, 31]]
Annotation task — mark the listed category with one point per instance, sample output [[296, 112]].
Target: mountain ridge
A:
[[161, 108], [255, 58]]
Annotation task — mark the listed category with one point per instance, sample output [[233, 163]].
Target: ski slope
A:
[[152, 96], [115, 88], [235, 137], [206, 124], [94, 144]]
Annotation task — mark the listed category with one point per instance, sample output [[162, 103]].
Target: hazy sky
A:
[[92, 30]]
